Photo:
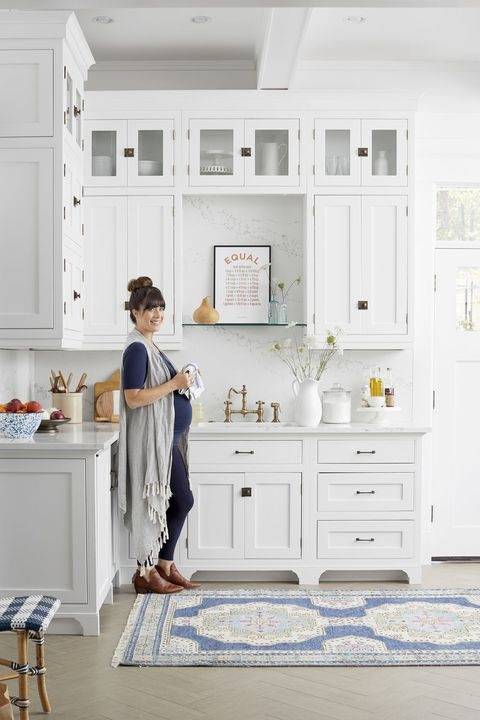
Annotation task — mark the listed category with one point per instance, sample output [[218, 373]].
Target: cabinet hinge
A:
[[64, 170], [406, 133], [188, 169], [313, 133], [406, 170], [186, 543], [406, 210], [64, 265], [65, 307], [173, 134], [83, 105], [83, 229], [434, 282], [301, 542], [314, 318], [313, 169], [83, 145], [173, 169], [313, 210], [64, 72], [64, 117], [83, 313], [299, 134], [406, 318], [64, 212], [434, 399], [431, 513], [299, 168], [83, 276], [188, 134], [173, 210]]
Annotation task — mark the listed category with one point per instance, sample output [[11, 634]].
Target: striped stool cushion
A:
[[30, 612]]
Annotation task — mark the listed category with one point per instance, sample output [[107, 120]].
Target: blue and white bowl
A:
[[19, 425]]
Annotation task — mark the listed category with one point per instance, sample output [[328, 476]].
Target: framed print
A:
[[241, 283]]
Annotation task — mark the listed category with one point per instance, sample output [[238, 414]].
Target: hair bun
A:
[[140, 282]]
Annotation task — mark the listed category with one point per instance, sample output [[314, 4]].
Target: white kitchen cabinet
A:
[[26, 82], [73, 103], [232, 516], [361, 266], [129, 153], [126, 237], [72, 198], [368, 152], [234, 152], [73, 288]]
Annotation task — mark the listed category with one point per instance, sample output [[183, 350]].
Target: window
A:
[[458, 216]]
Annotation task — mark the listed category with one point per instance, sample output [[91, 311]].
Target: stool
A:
[[28, 617]]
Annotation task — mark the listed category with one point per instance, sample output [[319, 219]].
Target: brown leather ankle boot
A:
[[154, 584], [176, 577]]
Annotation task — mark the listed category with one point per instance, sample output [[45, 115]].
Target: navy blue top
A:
[[134, 374]]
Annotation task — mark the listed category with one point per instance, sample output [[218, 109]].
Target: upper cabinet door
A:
[[338, 263], [105, 146], [385, 141], [150, 248], [215, 153], [385, 258], [271, 152], [26, 80], [151, 145], [336, 152]]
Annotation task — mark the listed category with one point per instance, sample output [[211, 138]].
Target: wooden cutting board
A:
[[106, 397]]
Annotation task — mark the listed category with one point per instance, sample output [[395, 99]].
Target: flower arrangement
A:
[[279, 286], [308, 360]]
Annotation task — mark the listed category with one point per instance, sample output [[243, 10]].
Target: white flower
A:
[[309, 341], [287, 343]]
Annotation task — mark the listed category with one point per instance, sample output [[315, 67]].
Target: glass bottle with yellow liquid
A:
[[376, 383]]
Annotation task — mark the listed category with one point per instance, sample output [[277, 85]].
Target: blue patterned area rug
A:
[[303, 627]]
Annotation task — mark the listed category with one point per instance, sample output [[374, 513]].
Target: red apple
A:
[[34, 407], [14, 405], [57, 415]]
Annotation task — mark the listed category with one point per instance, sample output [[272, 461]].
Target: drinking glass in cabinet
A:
[[384, 152], [216, 152], [104, 153], [337, 152], [150, 152], [271, 152]]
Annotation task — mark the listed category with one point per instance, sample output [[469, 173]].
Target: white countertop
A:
[[89, 436]]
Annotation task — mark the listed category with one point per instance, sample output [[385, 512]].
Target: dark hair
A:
[[143, 296]]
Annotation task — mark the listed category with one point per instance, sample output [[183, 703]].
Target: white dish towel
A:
[[195, 390]]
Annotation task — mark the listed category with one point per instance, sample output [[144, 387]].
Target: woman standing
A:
[[154, 489]]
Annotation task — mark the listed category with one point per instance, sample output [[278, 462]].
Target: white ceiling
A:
[[169, 33], [448, 34]]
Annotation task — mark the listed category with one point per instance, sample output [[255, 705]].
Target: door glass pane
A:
[[458, 215], [271, 152], [150, 152], [216, 152], [384, 152], [337, 152], [69, 102], [468, 298], [78, 117], [104, 153]]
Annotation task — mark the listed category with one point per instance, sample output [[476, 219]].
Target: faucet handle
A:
[[228, 411], [259, 410]]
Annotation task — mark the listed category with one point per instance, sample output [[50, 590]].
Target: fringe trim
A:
[[151, 488]]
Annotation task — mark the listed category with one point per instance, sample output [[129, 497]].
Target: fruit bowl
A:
[[19, 425], [51, 426]]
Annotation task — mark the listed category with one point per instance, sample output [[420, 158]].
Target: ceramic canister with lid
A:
[[337, 405]]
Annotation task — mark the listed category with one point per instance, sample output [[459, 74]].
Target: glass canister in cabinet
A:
[[337, 405]]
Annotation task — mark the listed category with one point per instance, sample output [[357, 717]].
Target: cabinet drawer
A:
[[242, 452], [374, 450], [352, 539], [360, 491]]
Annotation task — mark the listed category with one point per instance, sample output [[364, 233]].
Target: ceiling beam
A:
[[279, 54], [87, 4]]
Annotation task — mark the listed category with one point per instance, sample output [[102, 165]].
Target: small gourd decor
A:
[[206, 314]]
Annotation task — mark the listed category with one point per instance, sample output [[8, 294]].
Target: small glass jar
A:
[[337, 405], [273, 312]]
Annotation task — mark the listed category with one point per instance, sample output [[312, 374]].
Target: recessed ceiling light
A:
[[201, 19], [102, 19], [355, 19]]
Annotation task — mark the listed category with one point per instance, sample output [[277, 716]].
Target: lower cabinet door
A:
[[215, 523], [72, 289], [43, 516], [273, 515]]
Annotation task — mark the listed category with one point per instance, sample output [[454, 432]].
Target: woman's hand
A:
[[183, 380]]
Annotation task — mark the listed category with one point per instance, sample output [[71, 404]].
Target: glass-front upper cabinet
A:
[[135, 153], [73, 107], [361, 152], [216, 148], [274, 152]]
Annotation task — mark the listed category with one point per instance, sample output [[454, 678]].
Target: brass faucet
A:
[[244, 411]]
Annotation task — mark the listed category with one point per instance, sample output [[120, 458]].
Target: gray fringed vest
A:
[[145, 460]]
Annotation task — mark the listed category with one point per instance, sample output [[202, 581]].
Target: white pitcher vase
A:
[[308, 406]]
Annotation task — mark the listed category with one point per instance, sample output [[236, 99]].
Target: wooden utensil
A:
[[81, 383], [63, 382], [104, 412], [69, 381]]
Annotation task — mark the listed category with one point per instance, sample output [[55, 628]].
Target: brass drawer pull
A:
[[365, 492], [366, 452], [244, 452], [364, 539]]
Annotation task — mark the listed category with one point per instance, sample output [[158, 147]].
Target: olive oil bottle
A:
[[376, 383]]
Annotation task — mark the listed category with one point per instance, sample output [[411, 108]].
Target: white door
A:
[[456, 486], [338, 263], [26, 238], [274, 147], [385, 142], [385, 264], [150, 249], [52, 496], [273, 515], [73, 295], [152, 161], [336, 152], [26, 82], [72, 198], [106, 153], [215, 523], [106, 267], [215, 153]]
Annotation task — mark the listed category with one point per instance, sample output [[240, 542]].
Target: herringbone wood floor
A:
[[83, 686]]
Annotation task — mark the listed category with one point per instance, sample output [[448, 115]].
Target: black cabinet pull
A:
[[362, 304], [246, 492], [365, 492], [76, 111], [246, 152], [364, 539], [366, 452], [244, 452], [362, 152], [76, 201], [76, 295]]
